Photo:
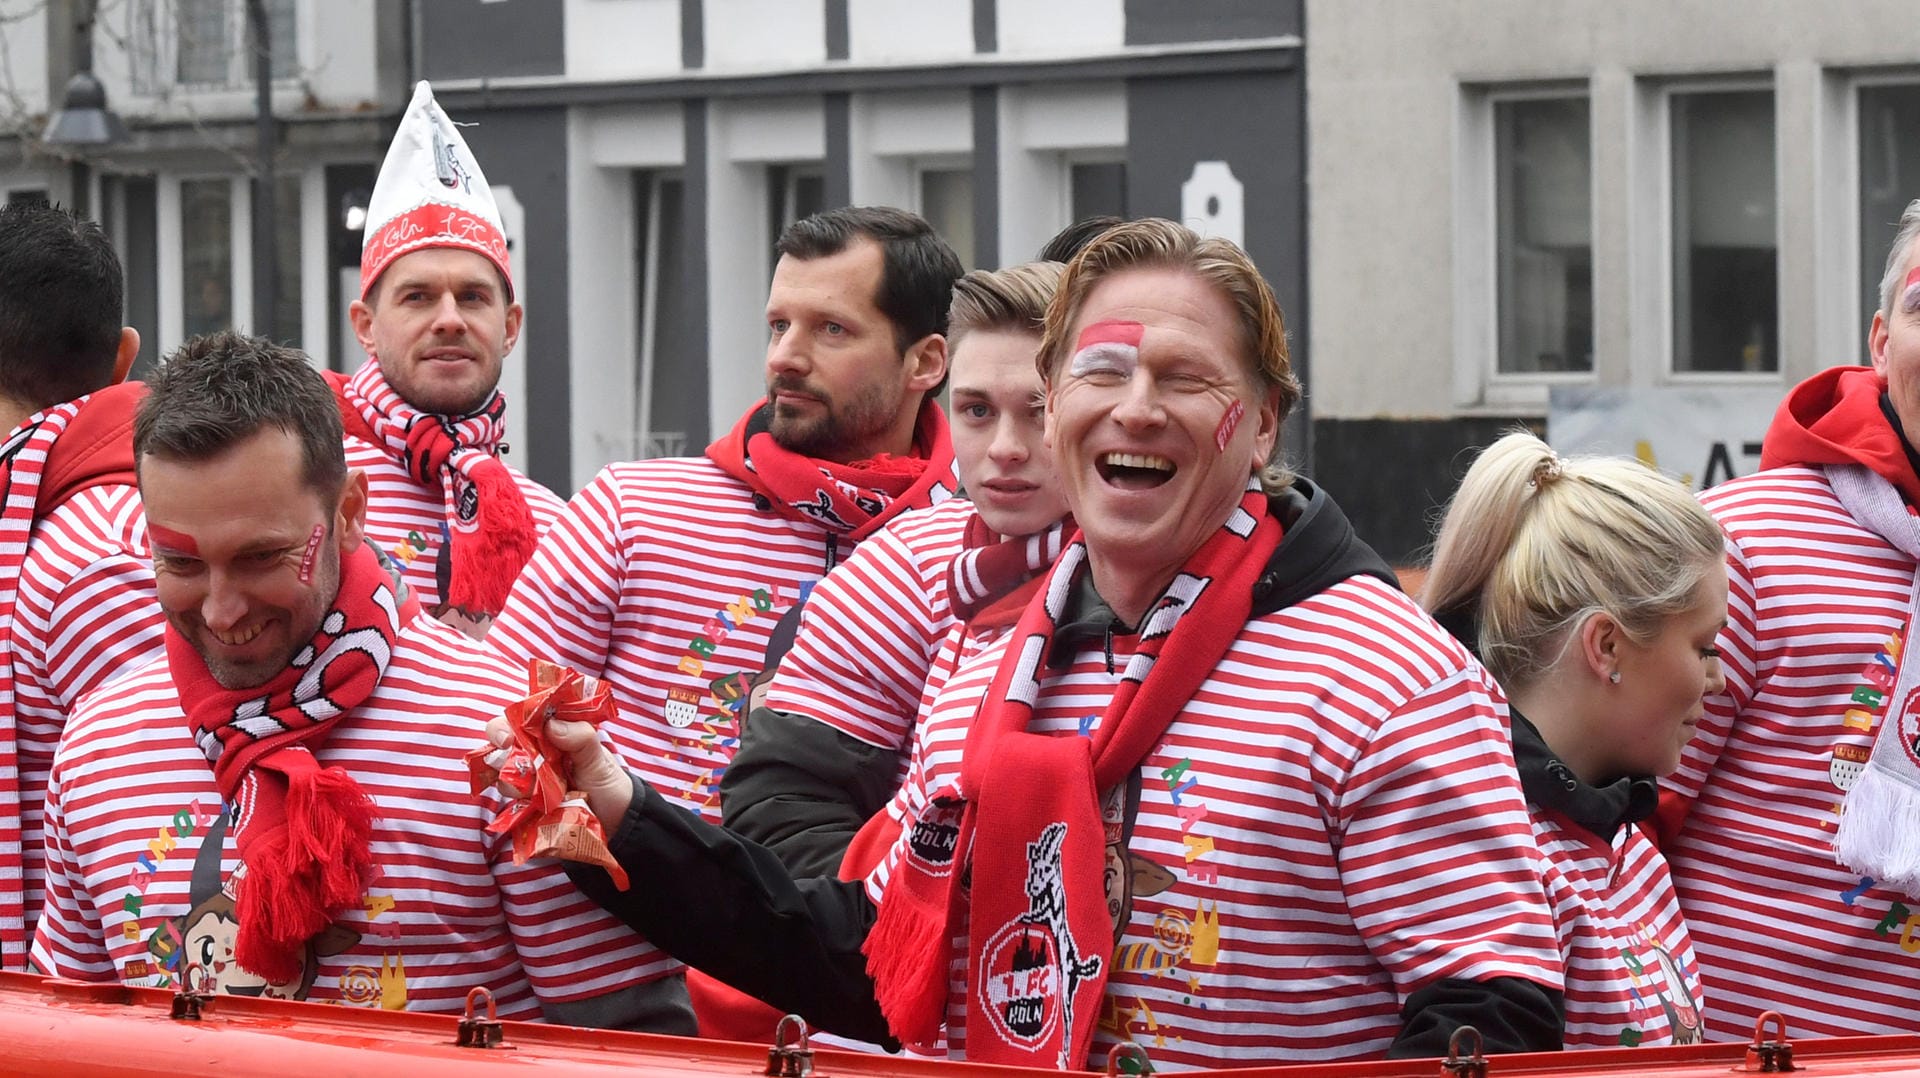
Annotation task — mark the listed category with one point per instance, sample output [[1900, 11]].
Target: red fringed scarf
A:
[[1026, 812], [302, 829], [23, 460], [492, 533], [994, 577], [855, 499]]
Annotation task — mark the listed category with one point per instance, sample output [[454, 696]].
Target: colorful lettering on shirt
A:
[[184, 824], [1869, 699], [386, 987], [409, 548]]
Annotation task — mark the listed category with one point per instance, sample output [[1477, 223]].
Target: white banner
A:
[[1699, 436]]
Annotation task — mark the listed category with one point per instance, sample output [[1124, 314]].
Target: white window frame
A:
[[1479, 385], [1660, 93], [1847, 202], [152, 33]]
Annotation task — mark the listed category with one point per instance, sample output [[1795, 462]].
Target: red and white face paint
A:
[[1229, 422], [1112, 346], [173, 542], [1909, 301], [312, 552]]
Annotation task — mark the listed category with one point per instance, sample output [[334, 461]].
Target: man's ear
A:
[[128, 351], [350, 516], [927, 361], [362, 316], [516, 315]]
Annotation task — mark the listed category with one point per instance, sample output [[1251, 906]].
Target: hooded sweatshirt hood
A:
[[1837, 417]]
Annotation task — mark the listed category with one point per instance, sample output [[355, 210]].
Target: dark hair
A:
[[219, 389], [61, 291], [1068, 241], [917, 268]]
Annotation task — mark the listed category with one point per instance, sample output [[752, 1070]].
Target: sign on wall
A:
[[1700, 436]]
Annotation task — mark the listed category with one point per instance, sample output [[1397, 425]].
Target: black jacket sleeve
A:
[[1512, 1014], [727, 907], [802, 789]]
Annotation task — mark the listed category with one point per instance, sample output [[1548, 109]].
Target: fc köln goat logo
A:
[[1032, 966]]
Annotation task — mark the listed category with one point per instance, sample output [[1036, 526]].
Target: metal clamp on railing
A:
[[1774, 1056], [1128, 1058], [479, 1032], [191, 995], [790, 1057], [1463, 1061]]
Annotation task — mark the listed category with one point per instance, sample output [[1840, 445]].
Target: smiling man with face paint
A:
[[1771, 798], [1216, 712], [301, 743]]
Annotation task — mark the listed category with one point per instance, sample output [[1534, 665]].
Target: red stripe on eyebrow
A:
[[1912, 279], [1112, 331], [172, 540]]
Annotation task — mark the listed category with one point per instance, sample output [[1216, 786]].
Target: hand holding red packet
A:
[[545, 818]]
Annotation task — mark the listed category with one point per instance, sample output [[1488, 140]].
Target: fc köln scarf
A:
[[993, 578], [854, 500], [1025, 814], [491, 530], [1879, 832], [23, 460], [302, 829]]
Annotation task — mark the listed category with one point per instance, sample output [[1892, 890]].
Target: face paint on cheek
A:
[[1111, 345], [178, 542], [1910, 293], [313, 551], [1229, 422]]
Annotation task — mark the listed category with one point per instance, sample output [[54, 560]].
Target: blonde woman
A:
[[1593, 588]]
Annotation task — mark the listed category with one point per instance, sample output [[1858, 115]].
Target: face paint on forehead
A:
[[1229, 422], [313, 551], [1110, 345], [179, 542], [1910, 293]]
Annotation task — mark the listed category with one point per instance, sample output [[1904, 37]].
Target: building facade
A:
[[1654, 197]]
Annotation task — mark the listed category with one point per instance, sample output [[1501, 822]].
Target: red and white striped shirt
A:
[[86, 613], [1816, 615], [665, 579], [872, 628], [408, 522], [132, 887], [1632, 979], [1333, 822]]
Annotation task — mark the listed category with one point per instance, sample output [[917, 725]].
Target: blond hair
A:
[[1533, 544], [1012, 299], [1157, 243]]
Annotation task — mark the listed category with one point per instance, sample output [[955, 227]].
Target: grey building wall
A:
[[526, 149], [472, 39]]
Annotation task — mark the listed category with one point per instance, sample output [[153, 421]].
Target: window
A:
[[793, 192], [210, 47], [27, 195], [1889, 178], [946, 201], [206, 256], [1725, 250], [671, 395], [1544, 234], [1096, 189]]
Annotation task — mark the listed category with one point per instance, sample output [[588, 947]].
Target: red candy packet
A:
[[545, 817]]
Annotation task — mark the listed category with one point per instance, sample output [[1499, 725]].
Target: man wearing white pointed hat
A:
[[424, 417]]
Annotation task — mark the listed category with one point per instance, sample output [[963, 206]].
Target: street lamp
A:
[[84, 121]]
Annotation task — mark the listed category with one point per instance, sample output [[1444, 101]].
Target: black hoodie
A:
[[728, 907]]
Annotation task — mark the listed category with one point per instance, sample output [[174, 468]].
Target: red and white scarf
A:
[[303, 830], [993, 578], [491, 530], [854, 499], [23, 461], [1025, 813]]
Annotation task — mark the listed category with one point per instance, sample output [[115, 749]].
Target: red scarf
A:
[[491, 530], [302, 829], [994, 577], [1026, 812], [855, 499]]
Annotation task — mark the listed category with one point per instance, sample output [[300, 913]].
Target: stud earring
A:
[[1614, 677]]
